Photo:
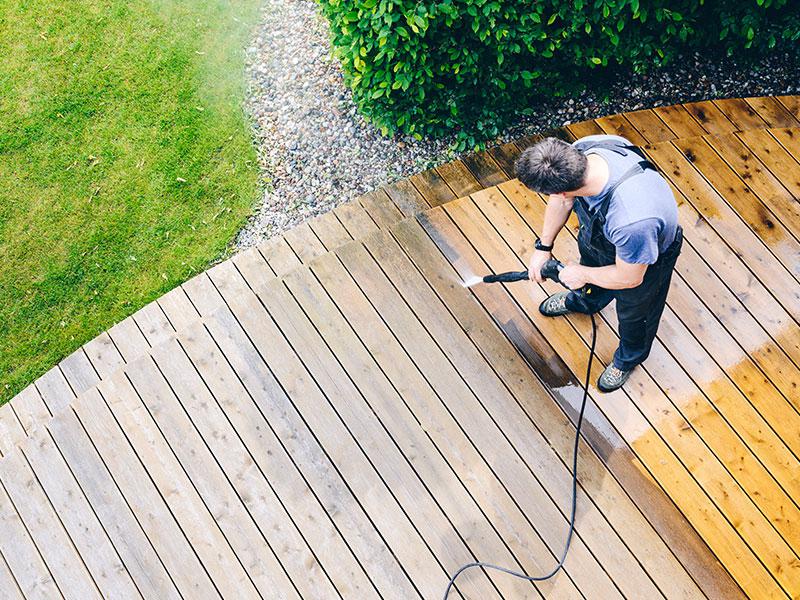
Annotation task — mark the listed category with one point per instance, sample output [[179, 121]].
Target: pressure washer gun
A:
[[550, 270]]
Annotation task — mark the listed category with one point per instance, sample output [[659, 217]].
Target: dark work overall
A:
[[639, 309]]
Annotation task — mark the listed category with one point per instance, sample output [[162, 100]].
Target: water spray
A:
[[551, 270]]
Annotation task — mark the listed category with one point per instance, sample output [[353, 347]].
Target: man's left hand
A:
[[573, 276]]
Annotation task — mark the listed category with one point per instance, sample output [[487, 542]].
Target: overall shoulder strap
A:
[[616, 147], [611, 145], [637, 169]]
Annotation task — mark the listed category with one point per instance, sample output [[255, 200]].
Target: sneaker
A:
[[555, 305], [612, 379]]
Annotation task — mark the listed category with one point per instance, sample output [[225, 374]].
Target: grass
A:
[[126, 163]]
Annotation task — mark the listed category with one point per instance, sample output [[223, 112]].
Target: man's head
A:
[[552, 166]]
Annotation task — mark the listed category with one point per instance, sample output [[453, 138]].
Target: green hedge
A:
[[429, 67]]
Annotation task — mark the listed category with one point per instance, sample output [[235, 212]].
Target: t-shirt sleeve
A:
[[637, 243]]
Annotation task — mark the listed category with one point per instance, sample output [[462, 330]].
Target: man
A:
[[629, 237]]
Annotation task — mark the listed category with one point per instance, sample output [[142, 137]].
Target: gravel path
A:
[[315, 151]]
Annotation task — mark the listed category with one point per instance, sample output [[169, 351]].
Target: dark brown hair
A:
[[551, 166]]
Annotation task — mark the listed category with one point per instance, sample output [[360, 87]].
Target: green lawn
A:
[[126, 163]]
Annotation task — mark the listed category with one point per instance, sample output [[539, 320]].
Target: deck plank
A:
[[45, 528], [279, 255], [619, 125], [459, 178], [584, 128], [772, 112], [329, 230], [139, 491], [8, 584], [178, 309], [710, 117], [730, 461], [20, 553], [154, 324], [129, 539], [79, 519], [205, 298], [382, 210], [791, 103], [484, 168], [128, 339], [679, 120], [432, 187], [662, 463], [612, 451], [406, 197], [355, 219], [489, 389], [103, 355], [30, 409], [194, 516], [304, 242], [505, 156], [739, 112], [252, 266], [54, 388], [789, 138], [260, 359], [649, 126], [11, 430]]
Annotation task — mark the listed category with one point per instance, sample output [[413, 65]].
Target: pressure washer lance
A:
[[550, 270]]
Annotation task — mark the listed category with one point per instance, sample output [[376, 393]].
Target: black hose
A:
[[571, 530]]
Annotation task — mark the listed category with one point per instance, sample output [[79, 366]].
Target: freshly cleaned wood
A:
[[459, 178]]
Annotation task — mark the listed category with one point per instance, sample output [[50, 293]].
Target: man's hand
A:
[[573, 276], [538, 259]]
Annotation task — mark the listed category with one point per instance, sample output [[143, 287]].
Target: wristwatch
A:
[[540, 246]]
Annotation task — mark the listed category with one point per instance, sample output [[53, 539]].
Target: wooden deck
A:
[[332, 415]]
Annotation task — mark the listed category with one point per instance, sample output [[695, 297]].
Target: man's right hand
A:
[[538, 259]]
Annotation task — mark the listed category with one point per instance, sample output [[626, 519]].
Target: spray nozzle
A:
[[550, 270]]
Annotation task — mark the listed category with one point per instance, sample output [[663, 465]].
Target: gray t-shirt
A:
[[642, 216]]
